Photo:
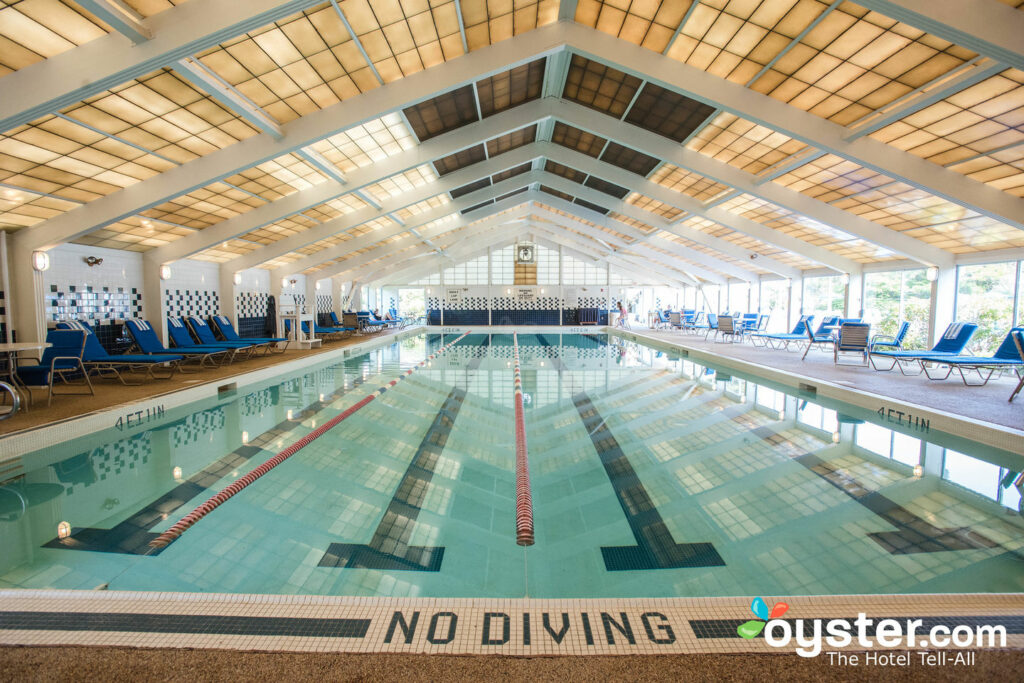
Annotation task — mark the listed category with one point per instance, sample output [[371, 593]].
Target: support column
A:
[[796, 292], [943, 302], [854, 307], [26, 310], [275, 291], [228, 295], [154, 307], [337, 292]]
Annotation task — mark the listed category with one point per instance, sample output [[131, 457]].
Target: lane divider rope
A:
[[524, 498], [215, 501]]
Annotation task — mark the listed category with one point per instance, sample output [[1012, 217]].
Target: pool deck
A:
[[985, 405], [111, 393]]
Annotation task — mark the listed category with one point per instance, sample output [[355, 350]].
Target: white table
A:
[[301, 339], [12, 350]]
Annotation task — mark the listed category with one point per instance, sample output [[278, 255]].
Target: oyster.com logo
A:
[[752, 628]]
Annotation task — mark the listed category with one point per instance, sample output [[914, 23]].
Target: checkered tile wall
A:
[[92, 304], [108, 461], [199, 302]]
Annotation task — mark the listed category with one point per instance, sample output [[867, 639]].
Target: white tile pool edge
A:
[[464, 634], [18, 443]]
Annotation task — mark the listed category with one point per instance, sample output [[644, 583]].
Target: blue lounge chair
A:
[[367, 323], [97, 360], [952, 343], [825, 335], [182, 339], [1018, 340], [402, 322], [61, 360], [782, 340], [1006, 357], [147, 342], [227, 330], [891, 342], [206, 337], [853, 339], [337, 324]]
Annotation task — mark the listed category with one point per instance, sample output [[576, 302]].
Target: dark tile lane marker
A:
[[655, 548], [184, 623], [389, 548]]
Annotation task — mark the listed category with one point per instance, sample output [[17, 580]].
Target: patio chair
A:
[[227, 330], [146, 341], [891, 342], [205, 335], [62, 360], [852, 339], [727, 327], [783, 340], [952, 343], [177, 330], [97, 360], [1006, 357], [1018, 340]]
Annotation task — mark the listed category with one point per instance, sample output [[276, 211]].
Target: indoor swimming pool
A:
[[652, 476]]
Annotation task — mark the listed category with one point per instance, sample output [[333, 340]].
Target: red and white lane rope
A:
[[524, 499], [215, 501]]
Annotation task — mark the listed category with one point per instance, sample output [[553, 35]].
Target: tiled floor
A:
[[455, 626]]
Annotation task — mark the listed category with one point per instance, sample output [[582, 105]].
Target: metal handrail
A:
[[15, 400]]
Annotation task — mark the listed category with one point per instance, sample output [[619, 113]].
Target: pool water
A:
[[652, 476]]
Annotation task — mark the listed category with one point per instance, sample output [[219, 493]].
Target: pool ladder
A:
[[8, 411]]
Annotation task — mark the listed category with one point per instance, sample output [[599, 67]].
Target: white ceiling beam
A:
[[120, 17], [801, 125], [613, 174], [987, 27], [104, 63], [206, 80], [299, 133], [357, 179], [853, 225], [924, 97], [431, 263], [344, 223], [656, 264], [693, 269], [645, 216], [376, 236], [567, 10]]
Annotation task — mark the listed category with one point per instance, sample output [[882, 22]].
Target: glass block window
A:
[[472, 272], [502, 266], [547, 266], [576, 272]]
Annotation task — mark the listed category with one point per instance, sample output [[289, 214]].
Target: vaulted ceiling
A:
[[683, 142]]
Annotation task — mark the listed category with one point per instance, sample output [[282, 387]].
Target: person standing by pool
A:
[[622, 321]]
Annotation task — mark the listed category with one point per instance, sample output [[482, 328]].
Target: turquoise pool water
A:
[[652, 476]]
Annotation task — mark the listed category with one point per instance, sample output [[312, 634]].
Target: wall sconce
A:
[[92, 261], [285, 282], [238, 278], [165, 272], [932, 274], [40, 261], [845, 279], [317, 286]]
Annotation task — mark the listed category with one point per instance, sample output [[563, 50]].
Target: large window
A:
[[468, 273], [824, 296], [707, 299], [690, 298], [985, 295], [892, 297], [576, 272], [775, 304], [547, 266], [739, 297], [502, 266]]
